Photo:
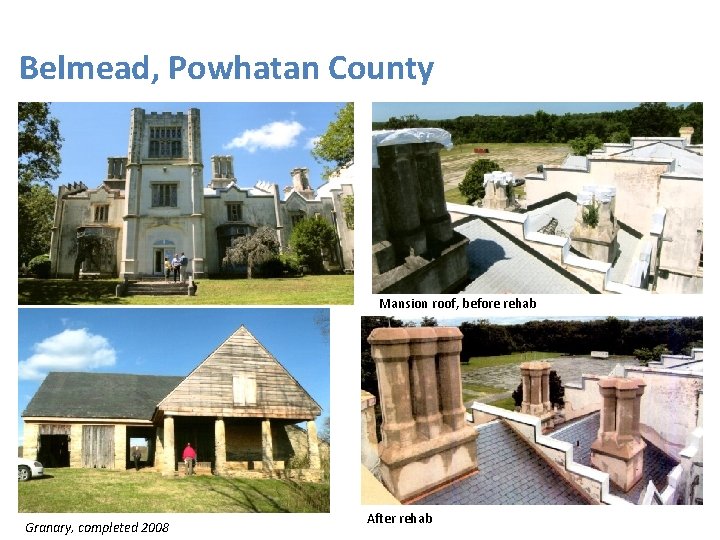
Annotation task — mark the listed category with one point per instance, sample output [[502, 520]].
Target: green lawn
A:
[[505, 403], [477, 362], [99, 490], [324, 289]]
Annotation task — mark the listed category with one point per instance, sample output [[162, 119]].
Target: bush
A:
[[472, 187], [584, 146], [271, 269], [40, 266], [312, 240]]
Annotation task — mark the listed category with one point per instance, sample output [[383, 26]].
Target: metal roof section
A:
[[501, 265]]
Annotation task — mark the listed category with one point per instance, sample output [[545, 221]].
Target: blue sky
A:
[[437, 111], [267, 139], [160, 341]]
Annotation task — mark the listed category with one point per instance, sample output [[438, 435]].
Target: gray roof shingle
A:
[[510, 472], [100, 395]]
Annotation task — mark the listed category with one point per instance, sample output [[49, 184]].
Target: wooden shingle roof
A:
[[99, 395], [208, 390]]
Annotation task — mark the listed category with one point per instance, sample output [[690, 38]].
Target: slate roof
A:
[[583, 432], [502, 264], [100, 395], [510, 472]]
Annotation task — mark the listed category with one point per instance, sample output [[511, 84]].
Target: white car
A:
[[27, 469]]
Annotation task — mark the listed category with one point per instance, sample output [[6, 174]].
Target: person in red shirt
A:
[[189, 456]]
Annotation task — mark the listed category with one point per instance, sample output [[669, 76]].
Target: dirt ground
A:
[[519, 159]]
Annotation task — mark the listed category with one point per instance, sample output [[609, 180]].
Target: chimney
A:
[[425, 442], [686, 132], [222, 172], [536, 392], [595, 230], [498, 190], [618, 449]]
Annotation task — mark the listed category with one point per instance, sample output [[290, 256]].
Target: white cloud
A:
[[310, 144], [275, 136], [70, 350]]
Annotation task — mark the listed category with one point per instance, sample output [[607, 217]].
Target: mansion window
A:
[[164, 195], [297, 218], [165, 142], [102, 213], [234, 212]]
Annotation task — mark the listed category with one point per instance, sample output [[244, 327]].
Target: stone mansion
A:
[[155, 202]]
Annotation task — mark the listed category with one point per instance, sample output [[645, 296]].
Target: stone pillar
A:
[[398, 177], [313, 448], [424, 386], [169, 450], [618, 449], [220, 446], [536, 392], [598, 241], [686, 132], [433, 210], [425, 441], [267, 446], [121, 456], [391, 353], [449, 345], [547, 406]]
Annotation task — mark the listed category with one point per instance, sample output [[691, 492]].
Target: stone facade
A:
[[536, 392], [425, 441], [155, 203]]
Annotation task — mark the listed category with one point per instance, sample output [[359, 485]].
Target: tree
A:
[[35, 218], [253, 250], [472, 187], [337, 144], [348, 206], [584, 146], [312, 240], [428, 321], [39, 144]]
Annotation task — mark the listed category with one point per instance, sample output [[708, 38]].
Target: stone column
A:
[[267, 446], [391, 353], [425, 385], [368, 431], [169, 446], [313, 448], [619, 449], [433, 210], [449, 346], [547, 406], [220, 446], [400, 186]]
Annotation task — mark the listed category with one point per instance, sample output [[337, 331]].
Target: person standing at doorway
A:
[[176, 268], [189, 456], [168, 269], [183, 267], [136, 455]]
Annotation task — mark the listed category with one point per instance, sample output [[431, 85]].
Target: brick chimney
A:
[[618, 449], [425, 441]]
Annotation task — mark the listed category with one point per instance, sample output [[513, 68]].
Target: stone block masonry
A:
[[425, 442]]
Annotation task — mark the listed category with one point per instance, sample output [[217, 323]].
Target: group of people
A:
[[178, 267], [189, 456]]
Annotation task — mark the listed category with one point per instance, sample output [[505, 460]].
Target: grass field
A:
[[520, 159], [479, 362], [98, 490], [307, 290]]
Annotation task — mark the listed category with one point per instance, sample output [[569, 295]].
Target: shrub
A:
[[472, 187], [312, 240], [40, 266]]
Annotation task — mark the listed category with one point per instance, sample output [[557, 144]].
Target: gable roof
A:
[[99, 395], [208, 390]]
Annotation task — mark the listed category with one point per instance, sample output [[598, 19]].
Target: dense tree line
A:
[[645, 120], [617, 336]]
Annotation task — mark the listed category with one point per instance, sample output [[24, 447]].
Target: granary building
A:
[[156, 202], [238, 408]]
